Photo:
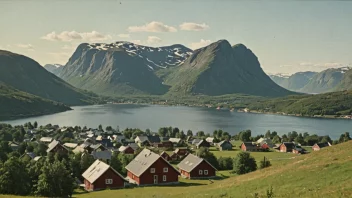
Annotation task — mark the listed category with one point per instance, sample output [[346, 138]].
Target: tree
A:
[[108, 128], [35, 124], [200, 134], [125, 160], [225, 163], [284, 138], [345, 137], [215, 133], [267, 134], [100, 127], [14, 178], [163, 132], [189, 133], [299, 139], [245, 135], [55, 181], [40, 149], [244, 163], [326, 138], [204, 153], [86, 161], [264, 163], [115, 162]]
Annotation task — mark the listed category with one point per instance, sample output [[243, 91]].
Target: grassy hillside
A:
[[27, 75], [335, 103], [326, 173], [17, 104]]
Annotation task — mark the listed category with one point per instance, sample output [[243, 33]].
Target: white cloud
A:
[[153, 26], [201, 43], [153, 39], [321, 65], [73, 35], [136, 42], [59, 57], [124, 35], [188, 26], [26, 46]]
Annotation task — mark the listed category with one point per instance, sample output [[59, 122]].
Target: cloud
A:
[[321, 65], [26, 46], [153, 26], [153, 39], [188, 26], [59, 57], [124, 35], [136, 41], [201, 43], [73, 35]]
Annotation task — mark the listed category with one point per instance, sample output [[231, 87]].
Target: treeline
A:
[[305, 139]]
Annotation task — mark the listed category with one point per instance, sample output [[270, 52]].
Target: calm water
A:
[[196, 119]]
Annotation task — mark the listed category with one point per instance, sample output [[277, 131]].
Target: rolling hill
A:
[[220, 69], [25, 74], [18, 104]]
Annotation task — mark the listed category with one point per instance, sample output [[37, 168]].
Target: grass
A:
[[325, 173]]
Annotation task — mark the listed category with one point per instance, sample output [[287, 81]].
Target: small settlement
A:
[[152, 154]]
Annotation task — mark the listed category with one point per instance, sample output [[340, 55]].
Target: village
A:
[[154, 160]]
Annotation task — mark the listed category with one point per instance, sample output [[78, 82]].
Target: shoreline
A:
[[301, 116]]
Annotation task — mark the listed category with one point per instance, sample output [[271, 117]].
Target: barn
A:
[[101, 176], [193, 167]]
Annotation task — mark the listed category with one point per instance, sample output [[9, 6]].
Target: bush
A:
[[264, 163], [244, 163], [225, 163]]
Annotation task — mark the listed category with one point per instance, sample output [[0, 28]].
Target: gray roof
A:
[[134, 146], [143, 161], [97, 169], [52, 145], [30, 154], [196, 141], [141, 139], [190, 162], [102, 155]]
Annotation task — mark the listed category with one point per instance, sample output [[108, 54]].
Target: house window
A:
[[164, 177], [200, 172], [205, 172], [132, 176], [152, 170], [108, 181], [165, 170]]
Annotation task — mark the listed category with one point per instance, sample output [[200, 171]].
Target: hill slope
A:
[[325, 81], [324, 173], [121, 68], [17, 104], [346, 81], [220, 69], [334, 103], [27, 75], [294, 82]]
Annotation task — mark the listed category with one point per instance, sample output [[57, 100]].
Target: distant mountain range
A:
[[124, 68], [54, 68], [25, 74], [334, 79]]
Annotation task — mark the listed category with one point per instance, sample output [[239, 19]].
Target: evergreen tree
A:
[[244, 163]]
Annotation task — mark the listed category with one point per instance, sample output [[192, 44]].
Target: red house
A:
[[148, 168], [165, 156], [195, 167], [248, 146], [126, 150], [101, 176], [318, 146], [287, 147]]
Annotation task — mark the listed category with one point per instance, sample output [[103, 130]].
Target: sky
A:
[[286, 36]]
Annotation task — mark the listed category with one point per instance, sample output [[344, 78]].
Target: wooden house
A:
[[148, 168], [318, 146], [224, 145], [287, 147], [56, 147], [126, 150], [193, 167], [165, 156], [101, 176], [248, 146], [203, 143]]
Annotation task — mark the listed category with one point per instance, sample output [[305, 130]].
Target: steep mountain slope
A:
[[54, 68], [121, 68], [346, 81], [17, 104], [325, 81], [220, 69], [27, 75], [294, 82]]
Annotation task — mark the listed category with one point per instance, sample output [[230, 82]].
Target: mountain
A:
[[25, 74], [54, 68], [294, 82], [17, 104], [122, 68], [220, 69], [346, 81], [327, 81]]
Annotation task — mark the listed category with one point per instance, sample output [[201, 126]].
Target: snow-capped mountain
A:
[[154, 57]]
